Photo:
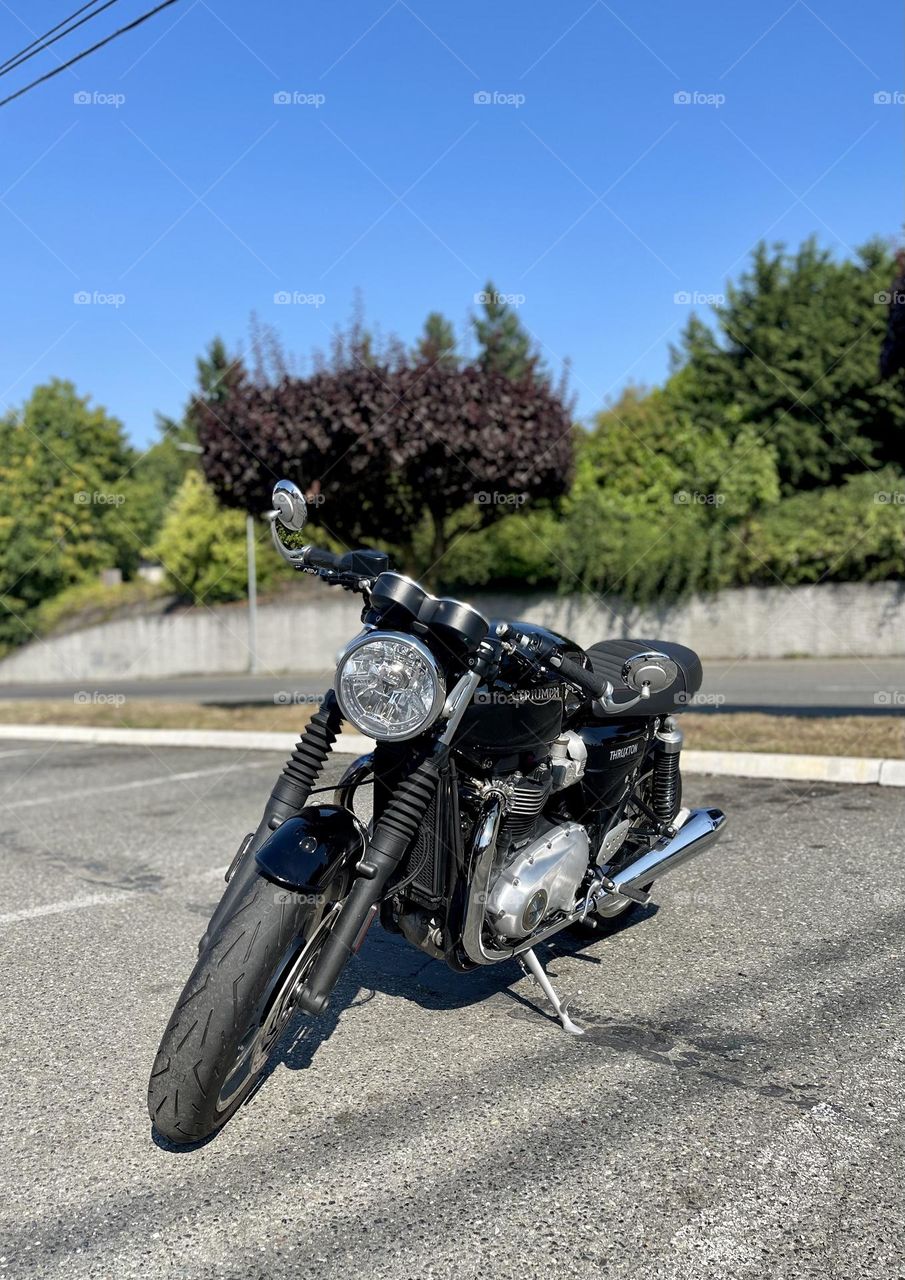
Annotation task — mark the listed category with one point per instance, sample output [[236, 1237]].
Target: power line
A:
[[38, 39], [18, 59], [130, 26]]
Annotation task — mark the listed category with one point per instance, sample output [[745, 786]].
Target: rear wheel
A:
[[237, 1003]]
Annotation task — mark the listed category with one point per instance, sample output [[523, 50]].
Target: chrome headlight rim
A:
[[372, 636]]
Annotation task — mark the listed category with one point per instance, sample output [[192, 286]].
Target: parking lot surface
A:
[[735, 1108]]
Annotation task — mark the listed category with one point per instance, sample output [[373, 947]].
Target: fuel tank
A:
[[522, 712]]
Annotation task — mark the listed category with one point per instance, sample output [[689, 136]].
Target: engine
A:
[[541, 879], [539, 865]]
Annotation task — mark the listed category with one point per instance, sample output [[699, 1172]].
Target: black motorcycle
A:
[[520, 786]]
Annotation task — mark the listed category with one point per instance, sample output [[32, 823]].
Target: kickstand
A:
[[531, 965]]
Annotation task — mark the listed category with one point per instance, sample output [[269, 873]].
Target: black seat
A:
[[609, 656]]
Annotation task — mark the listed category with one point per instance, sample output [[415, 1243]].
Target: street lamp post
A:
[[251, 574], [252, 594]]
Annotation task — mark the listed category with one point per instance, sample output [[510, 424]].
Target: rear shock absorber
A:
[[666, 784]]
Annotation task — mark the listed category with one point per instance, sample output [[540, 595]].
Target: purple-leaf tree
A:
[[389, 445]]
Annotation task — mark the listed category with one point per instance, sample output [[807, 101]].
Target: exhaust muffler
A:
[[700, 828]]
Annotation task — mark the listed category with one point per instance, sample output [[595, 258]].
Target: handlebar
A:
[[543, 653], [594, 686], [318, 558]]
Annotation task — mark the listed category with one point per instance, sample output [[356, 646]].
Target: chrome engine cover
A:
[[542, 879]]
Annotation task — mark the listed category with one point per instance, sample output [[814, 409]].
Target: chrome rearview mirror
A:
[[649, 673], [289, 505]]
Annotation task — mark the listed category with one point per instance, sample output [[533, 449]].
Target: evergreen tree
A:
[[796, 354], [437, 344], [506, 347]]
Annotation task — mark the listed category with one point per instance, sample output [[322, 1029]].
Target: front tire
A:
[[236, 1005]]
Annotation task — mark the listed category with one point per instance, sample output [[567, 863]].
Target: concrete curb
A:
[[235, 739], [735, 764], [764, 764]]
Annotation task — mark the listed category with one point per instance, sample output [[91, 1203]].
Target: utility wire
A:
[[19, 59], [38, 39], [130, 26]]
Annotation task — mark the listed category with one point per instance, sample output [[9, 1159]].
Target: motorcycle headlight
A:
[[389, 685]]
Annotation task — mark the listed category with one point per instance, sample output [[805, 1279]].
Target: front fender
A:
[[306, 852]]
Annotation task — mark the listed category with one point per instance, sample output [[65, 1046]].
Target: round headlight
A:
[[389, 685]]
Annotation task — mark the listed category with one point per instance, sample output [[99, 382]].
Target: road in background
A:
[[795, 686], [735, 1109]]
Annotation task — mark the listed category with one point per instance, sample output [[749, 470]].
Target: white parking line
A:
[[49, 799], [59, 908]]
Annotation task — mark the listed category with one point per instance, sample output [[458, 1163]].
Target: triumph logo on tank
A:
[[619, 753]]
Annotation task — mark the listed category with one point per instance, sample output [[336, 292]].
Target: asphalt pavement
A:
[[800, 686], [735, 1109]]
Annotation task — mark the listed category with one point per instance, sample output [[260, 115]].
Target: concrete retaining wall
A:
[[845, 620]]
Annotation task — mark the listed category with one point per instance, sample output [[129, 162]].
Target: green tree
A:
[[506, 346], [661, 505], [202, 547], [437, 344], [63, 501], [796, 354]]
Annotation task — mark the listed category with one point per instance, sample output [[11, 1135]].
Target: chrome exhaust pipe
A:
[[700, 828]]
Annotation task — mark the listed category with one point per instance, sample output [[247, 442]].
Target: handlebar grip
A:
[[318, 558], [580, 676]]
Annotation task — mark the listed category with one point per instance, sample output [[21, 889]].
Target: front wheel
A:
[[236, 1005]]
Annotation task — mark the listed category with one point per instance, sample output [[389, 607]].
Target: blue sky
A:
[[180, 197]]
